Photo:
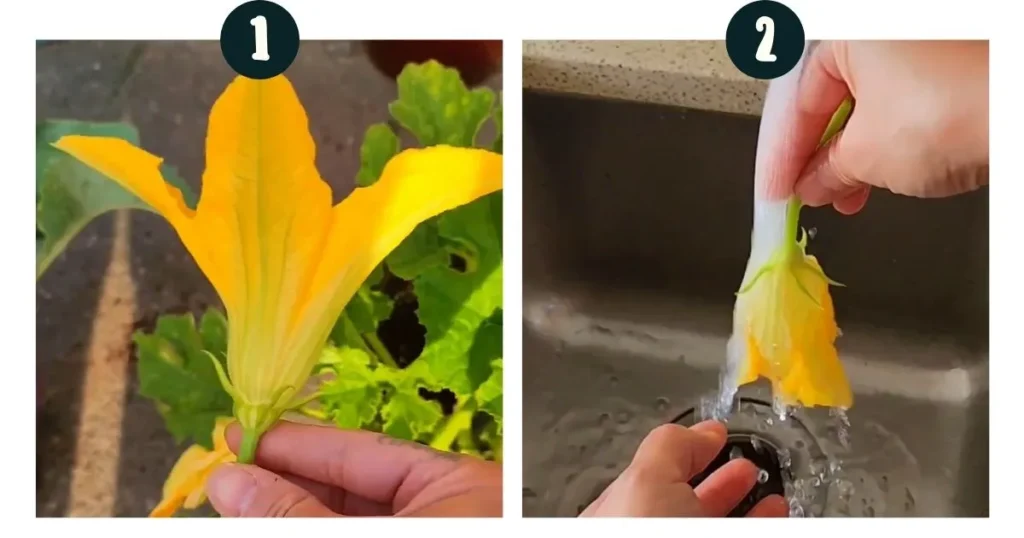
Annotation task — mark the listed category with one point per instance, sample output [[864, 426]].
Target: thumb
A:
[[831, 176], [237, 490]]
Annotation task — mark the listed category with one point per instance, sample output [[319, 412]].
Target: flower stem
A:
[[460, 420], [379, 349], [792, 224], [247, 453]]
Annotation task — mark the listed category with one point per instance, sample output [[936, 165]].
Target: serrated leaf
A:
[[497, 146], [70, 194], [180, 378], [454, 305], [352, 397], [489, 394], [436, 107], [408, 416], [380, 144]]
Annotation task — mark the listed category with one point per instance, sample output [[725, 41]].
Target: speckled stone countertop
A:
[[692, 74]]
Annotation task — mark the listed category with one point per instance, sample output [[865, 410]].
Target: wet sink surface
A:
[[636, 231]]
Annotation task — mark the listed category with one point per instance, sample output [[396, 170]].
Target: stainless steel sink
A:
[[636, 230]]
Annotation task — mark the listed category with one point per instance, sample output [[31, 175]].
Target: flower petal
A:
[[186, 485], [185, 478], [267, 212], [790, 338], [416, 184]]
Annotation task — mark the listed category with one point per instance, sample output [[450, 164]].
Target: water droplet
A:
[[736, 453], [815, 482], [799, 443], [785, 458], [623, 417], [762, 476], [834, 467], [869, 511], [603, 419], [614, 380], [884, 486], [769, 421]]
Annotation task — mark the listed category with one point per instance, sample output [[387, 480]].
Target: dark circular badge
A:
[[765, 39], [259, 39]]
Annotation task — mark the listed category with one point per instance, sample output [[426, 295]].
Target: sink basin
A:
[[636, 229]]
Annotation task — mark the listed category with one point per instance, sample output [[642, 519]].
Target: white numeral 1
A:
[[260, 24], [764, 50]]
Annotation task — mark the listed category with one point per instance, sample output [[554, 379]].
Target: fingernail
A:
[[230, 489]]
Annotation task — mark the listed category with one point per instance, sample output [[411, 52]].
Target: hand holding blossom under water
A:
[[656, 482], [919, 125], [317, 471]]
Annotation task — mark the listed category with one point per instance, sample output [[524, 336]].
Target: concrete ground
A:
[[101, 449]]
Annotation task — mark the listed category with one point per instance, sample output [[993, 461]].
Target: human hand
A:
[[316, 471], [919, 126], [655, 483]]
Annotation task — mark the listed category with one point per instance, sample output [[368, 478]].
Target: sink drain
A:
[[782, 447], [761, 453]]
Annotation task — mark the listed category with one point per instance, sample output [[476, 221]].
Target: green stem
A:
[[380, 350], [792, 224], [460, 420], [250, 439], [313, 413]]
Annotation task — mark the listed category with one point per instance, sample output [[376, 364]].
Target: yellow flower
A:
[[787, 328], [784, 326], [186, 485], [283, 260]]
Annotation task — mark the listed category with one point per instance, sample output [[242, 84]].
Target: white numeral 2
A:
[[260, 24], [764, 50]]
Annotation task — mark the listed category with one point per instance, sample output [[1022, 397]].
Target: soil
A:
[[101, 449]]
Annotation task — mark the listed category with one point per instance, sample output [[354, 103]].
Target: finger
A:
[[770, 506], [853, 203], [368, 464], [673, 453], [797, 109], [830, 174], [726, 487], [339, 500], [237, 490]]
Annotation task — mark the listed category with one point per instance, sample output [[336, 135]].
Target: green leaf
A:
[[489, 394], [454, 305], [436, 107], [180, 378], [363, 313], [407, 415], [486, 348], [368, 308], [353, 396], [420, 251], [380, 144], [498, 127], [70, 194]]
